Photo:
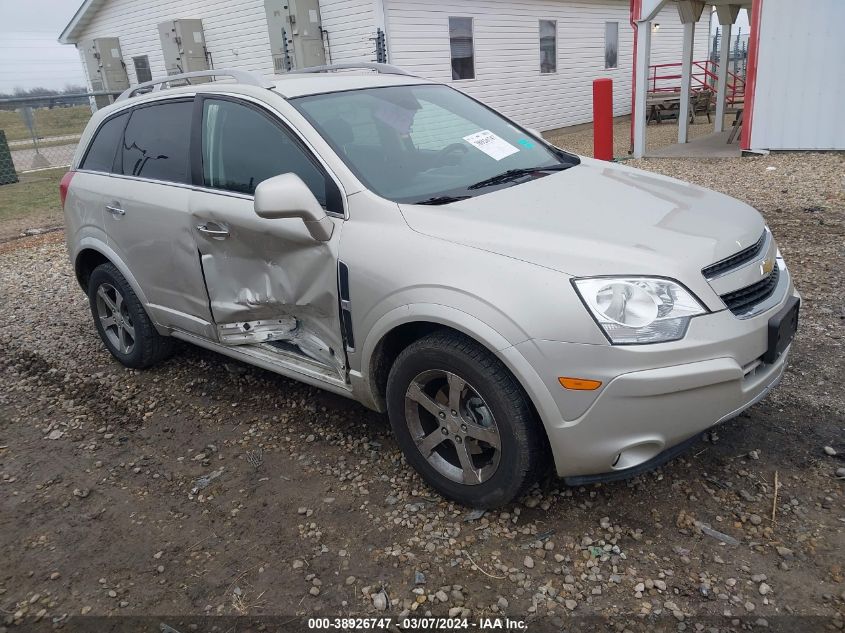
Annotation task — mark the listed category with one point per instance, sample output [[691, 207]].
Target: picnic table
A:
[[667, 105], [737, 126]]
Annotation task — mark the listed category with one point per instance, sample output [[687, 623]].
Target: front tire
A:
[[463, 422], [122, 322]]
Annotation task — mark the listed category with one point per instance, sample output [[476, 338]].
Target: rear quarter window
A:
[[101, 152]]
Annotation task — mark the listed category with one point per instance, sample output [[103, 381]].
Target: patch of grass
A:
[[48, 122], [37, 193]]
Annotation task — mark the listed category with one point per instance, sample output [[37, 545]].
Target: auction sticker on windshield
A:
[[494, 146]]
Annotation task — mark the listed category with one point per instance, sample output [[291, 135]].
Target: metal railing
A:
[[665, 79]]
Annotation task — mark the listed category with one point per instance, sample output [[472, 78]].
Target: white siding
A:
[[667, 44], [507, 66], [351, 26], [800, 89], [506, 39], [235, 31]]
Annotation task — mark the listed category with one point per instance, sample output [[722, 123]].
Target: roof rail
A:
[[384, 69], [240, 76]]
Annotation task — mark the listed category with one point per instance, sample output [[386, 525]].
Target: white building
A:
[[534, 60]]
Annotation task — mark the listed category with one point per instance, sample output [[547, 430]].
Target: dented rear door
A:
[[268, 281]]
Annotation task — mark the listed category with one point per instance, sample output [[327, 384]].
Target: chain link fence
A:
[[43, 132]]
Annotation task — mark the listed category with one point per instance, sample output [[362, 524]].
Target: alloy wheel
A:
[[114, 316], [452, 427]]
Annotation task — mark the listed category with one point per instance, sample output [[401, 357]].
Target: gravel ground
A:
[[307, 507]]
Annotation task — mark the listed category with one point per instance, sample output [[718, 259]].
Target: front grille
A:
[[740, 301], [736, 260]]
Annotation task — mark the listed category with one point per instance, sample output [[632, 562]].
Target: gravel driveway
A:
[[206, 487]]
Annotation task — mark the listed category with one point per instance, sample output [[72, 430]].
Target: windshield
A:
[[427, 143]]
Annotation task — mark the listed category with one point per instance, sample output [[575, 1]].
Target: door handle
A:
[[218, 233], [115, 210]]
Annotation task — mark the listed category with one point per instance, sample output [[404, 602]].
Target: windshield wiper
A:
[[442, 200], [513, 174]]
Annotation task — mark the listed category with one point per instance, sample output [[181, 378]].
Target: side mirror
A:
[[286, 196]]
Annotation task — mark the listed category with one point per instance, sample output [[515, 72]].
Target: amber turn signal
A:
[[579, 384]]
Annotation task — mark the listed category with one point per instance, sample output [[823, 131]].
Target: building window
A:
[[611, 44], [548, 46], [142, 68], [460, 43]]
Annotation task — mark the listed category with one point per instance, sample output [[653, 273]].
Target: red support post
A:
[[603, 119]]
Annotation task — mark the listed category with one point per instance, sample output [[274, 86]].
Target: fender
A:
[[472, 327], [96, 244]]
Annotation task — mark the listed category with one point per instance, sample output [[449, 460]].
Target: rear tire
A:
[[463, 422], [122, 322]]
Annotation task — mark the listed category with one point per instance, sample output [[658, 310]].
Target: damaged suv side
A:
[[393, 240]]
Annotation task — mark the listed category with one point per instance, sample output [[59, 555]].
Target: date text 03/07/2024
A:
[[413, 624]]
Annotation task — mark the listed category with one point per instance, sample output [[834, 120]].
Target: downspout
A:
[[635, 14]]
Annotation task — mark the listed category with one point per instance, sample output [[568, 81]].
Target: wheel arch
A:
[[86, 261], [92, 253], [400, 327]]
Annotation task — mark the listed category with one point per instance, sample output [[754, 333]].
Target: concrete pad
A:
[[710, 146]]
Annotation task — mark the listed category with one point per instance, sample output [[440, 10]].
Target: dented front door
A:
[[268, 280]]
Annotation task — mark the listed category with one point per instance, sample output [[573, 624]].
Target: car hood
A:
[[599, 218]]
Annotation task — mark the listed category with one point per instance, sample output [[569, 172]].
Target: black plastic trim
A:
[[739, 301], [345, 310], [619, 475], [736, 260]]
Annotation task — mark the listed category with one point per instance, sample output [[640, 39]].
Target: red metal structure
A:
[[751, 73], [635, 12], [666, 78], [603, 119]]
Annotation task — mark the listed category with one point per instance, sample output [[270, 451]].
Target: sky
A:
[[741, 22], [30, 54]]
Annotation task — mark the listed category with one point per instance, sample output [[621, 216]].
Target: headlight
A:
[[639, 309]]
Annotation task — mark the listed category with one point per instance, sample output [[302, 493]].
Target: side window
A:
[[142, 68], [242, 147], [611, 44], [156, 143], [461, 48], [548, 46], [101, 153]]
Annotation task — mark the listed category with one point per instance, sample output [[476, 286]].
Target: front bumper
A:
[[653, 397]]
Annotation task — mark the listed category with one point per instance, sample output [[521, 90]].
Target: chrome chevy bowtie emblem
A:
[[767, 266]]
